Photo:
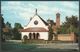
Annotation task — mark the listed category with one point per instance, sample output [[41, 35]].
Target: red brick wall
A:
[[57, 20]]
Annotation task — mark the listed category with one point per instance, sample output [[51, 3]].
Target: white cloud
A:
[[69, 4], [14, 3], [25, 15], [27, 9], [31, 5]]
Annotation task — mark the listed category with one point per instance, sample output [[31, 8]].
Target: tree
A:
[[2, 25], [70, 25], [18, 26], [8, 25], [17, 34], [50, 35], [50, 27], [9, 33]]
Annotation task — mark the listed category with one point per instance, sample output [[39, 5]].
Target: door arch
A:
[[25, 38], [37, 36], [30, 35], [34, 35]]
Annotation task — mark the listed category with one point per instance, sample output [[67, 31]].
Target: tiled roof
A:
[[34, 29]]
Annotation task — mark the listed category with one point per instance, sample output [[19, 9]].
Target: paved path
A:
[[59, 46]]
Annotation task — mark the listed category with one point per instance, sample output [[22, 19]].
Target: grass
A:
[[13, 46], [19, 47]]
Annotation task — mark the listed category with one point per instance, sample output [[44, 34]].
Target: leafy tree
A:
[[8, 25], [9, 33], [17, 34], [2, 25], [70, 25], [18, 26], [50, 35]]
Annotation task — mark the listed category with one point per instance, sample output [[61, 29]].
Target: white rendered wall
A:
[[43, 35], [40, 23]]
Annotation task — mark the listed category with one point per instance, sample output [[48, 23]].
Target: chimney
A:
[[57, 20]]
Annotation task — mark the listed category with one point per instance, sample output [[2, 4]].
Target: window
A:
[[35, 22]]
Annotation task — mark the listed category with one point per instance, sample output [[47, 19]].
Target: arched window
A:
[[30, 35], [37, 36], [25, 37], [33, 35]]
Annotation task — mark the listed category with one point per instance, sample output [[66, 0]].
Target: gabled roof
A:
[[42, 20], [36, 14]]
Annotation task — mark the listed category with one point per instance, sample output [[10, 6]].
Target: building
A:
[[37, 28]]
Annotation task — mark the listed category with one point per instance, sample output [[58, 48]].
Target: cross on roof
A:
[[36, 11]]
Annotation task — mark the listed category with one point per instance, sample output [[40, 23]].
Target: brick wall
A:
[[58, 20], [67, 37]]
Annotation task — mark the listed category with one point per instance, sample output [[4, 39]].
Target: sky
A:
[[22, 11]]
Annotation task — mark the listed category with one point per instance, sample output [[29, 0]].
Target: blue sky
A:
[[22, 11]]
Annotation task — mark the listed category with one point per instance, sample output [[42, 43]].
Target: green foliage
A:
[[8, 35], [71, 25], [18, 26], [50, 35], [12, 32], [2, 25], [16, 33], [8, 25]]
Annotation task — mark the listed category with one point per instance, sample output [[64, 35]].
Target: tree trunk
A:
[[56, 37]]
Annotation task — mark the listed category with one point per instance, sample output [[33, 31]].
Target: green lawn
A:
[[19, 47]]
